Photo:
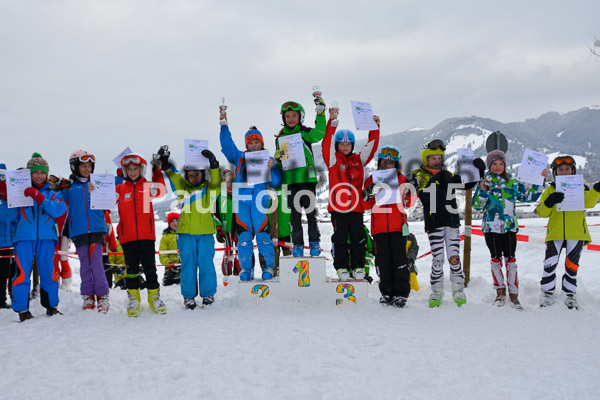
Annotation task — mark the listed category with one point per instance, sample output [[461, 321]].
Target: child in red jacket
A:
[[346, 176], [136, 231], [390, 230]]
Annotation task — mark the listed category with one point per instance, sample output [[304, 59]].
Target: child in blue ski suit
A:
[[7, 231], [250, 219], [36, 237]]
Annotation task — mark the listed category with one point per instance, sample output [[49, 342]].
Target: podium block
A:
[[303, 280]]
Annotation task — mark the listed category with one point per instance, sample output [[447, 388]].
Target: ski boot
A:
[[65, 284], [315, 249], [571, 302], [189, 304], [386, 300], [458, 294], [52, 311], [89, 302], [156, 304], [246, 275], [207, 301], [547, 299], [267, 274], [133, 308], [436, 297], [103, 304], [298, 250], [500, 299], [358, 273], [343, 274], [400, 302], [514, 301], [25, 315]]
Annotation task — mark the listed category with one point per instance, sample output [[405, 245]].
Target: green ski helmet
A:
[[434, 147], [292, 105]]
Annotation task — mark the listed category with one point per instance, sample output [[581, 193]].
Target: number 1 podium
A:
[[303, 280]]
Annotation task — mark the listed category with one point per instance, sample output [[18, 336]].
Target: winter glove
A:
[[220, 235], [597, 186], [35, 195], [3, 190], [212, 160], [554, 198], [370, 191], [119, 172], [320, 105], [480, 165], [413, 179]]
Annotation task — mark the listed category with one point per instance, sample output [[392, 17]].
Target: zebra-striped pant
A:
[[569, 279], [450, 238]]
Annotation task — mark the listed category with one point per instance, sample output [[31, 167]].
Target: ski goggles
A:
[[131, 160], [435, 144], [563, 160], [87, 158], [291, 105], [389, 153]]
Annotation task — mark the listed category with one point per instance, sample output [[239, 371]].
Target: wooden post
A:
[[467, 247]]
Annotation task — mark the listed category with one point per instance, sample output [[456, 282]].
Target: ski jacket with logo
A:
[[346, 173], [136, 214], [498, 203], [82, 219], [307, 173], [238, 158], [567, 225], [197, 202], [38, 222], [389, 217]]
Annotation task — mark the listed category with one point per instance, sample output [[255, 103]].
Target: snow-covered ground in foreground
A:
[[294, 351]]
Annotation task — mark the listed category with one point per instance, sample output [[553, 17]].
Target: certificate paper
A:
[[117, 159], [388, 180], [532, 165], [193, 154], [292, 151], [363, 116], [16, 183], [257, 170], [572, 187], [103, 196], [468, 172]]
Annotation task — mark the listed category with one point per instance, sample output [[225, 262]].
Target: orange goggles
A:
[[87, 158], [564, 160], [132, 159]]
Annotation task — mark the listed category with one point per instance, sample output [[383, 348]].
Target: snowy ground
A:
[[293, 351]]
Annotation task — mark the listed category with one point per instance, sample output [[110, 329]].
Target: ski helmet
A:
[[293, 106], [80, 156], [133, 159], [560, 160], [429, 149], [344, 136], [389, 153]]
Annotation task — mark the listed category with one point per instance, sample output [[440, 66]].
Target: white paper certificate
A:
[[117, 159], [363, 116], [572, 187], [193, 154], [257, 170], [292, 151], [468, 172], [103, 196], [16, 183], [388, 179], [531, 168]]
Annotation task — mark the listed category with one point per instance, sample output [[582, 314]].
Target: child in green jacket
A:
[[168, 242], [566, 229]]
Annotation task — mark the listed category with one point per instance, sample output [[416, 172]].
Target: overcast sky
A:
[[103, 75]]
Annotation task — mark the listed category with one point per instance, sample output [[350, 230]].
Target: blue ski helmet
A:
[[344, 136]]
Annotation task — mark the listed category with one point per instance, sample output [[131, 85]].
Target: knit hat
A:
[[493, 156], [171, 217], [37, 163], [254, 134], [227, 176]]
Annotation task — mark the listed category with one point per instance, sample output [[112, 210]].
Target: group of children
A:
[[189, 238]]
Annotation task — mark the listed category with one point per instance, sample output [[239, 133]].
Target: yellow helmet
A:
[[434, 147]]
